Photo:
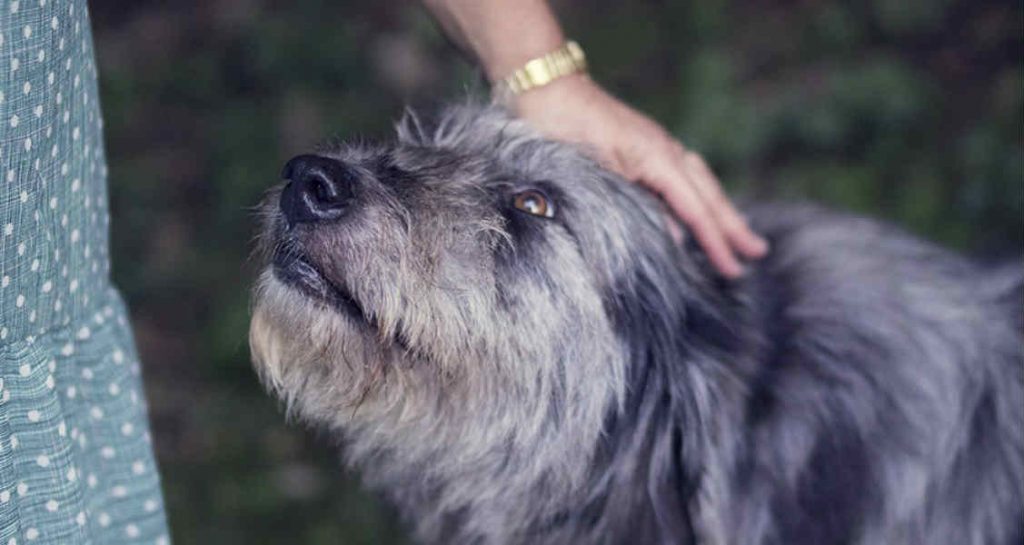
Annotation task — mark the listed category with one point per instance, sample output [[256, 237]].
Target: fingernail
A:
[[762, 247]]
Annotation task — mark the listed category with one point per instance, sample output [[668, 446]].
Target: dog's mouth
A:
[[294, 269]]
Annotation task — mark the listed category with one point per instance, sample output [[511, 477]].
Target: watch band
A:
[[567, 59]]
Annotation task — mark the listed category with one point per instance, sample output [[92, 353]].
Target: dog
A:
[[513, 350]]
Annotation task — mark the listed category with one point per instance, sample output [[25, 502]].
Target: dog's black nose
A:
[[319, 189]]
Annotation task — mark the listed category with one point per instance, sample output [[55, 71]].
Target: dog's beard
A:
[[316, 359], [333, 371]]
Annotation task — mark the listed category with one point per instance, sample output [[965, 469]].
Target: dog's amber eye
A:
[[534, 202]]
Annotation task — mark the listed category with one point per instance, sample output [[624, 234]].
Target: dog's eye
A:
[[535, 203]]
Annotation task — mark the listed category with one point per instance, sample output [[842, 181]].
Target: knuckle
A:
[[694, 159], [722, 203]]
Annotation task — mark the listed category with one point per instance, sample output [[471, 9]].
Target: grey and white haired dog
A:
[[513, 350]]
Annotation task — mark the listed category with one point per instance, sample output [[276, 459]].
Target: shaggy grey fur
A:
[[507, 378]]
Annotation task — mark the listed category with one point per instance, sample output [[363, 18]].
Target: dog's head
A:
[[455, 291]]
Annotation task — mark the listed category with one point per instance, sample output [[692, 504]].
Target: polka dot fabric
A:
[[76, 464]]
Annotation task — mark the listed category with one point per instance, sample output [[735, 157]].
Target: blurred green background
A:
[[912, 110]]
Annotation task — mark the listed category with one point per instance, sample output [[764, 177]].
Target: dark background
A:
[[910, 110]]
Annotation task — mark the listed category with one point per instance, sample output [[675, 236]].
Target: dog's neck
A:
[[658, 471], [650, 474]]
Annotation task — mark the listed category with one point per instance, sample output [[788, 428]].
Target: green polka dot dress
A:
[[76, 464]]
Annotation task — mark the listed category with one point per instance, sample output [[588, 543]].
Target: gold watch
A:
[[567, 59]]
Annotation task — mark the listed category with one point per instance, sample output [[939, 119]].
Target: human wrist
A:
[[573, 87], [501, 59], [565, 61]]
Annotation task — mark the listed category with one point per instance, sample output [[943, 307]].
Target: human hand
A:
[[576, 109]]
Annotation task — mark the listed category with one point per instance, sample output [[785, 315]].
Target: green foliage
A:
[[912, 111]]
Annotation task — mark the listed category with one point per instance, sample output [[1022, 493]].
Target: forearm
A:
[[501, 35]]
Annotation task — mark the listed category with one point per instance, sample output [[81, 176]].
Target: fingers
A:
[[732, 224], [679, 191]]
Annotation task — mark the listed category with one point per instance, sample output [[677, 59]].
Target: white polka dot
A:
[[50, 383], [19, 301], [43, 460], [31, 534], [118, 357], [33, 416], [26, 32], [92, 480], [138, 467], [114, 389], [71, 392], [104, 520], [22, 489], [84, 333], [107, 452], [52, 506], [47, 286], [71, 475], [24, 370], [131, 531], [80, 519], [15, 120], [150, 505], [5, 496], [127, 428], [119, 491], [96, 413]]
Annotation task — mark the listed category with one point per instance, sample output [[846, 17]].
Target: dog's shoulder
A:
[[881, 347]]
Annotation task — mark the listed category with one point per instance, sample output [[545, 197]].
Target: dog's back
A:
[[890, 405]]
